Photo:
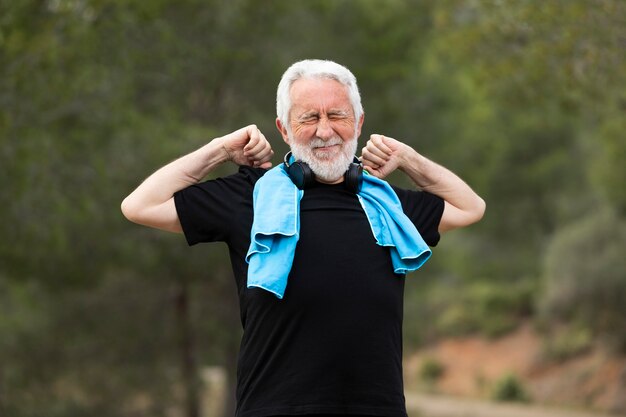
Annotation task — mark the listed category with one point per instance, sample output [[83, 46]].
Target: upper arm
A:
[[453, 217], [162, 216]]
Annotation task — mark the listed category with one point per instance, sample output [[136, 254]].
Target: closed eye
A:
[[338, 116], [309, 118]]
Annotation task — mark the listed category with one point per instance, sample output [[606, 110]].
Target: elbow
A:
[[479, 210], [129, 210], [163, 217], [474, 212], [454, 218]]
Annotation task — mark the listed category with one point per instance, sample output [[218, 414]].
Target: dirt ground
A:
[[423, 405], [593, 381]]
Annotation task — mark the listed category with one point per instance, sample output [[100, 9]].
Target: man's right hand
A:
[[248, 146]]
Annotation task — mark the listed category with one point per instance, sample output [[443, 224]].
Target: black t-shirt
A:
[[333, 344]]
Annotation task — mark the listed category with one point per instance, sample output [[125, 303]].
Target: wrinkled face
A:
[[322, 128]]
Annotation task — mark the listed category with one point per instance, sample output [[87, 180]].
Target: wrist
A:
[[410, 161], [216, 152], [205, 159], [421, 170]]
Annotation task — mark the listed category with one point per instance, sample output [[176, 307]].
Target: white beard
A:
[[327, 166]]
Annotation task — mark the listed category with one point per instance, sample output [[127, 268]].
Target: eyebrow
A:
[[338, 112], [308, 114], [332, 112]]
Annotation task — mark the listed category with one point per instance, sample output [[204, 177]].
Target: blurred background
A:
[[525, 100]]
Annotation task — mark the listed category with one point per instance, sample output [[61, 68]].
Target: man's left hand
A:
[[382, 155]]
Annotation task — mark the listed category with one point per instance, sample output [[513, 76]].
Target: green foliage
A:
[[526, 82], [568, 342], [486, 308], [607, 170], [586, 276], [431, 370], [509, 388], [524, 100]]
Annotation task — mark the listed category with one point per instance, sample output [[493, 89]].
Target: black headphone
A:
[[302, 175]]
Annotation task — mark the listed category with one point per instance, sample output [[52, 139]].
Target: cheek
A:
[[346, 130], [302, 133]]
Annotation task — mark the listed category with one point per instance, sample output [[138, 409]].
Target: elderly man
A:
[[319, 245]]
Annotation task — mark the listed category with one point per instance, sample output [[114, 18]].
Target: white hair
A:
[[315, 68]]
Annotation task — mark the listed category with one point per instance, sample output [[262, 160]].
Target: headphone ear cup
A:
[[301, 174], [354, 177]]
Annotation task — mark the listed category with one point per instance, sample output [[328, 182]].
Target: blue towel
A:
[[276, 229]]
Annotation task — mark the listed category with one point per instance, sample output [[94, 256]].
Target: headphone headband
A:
[[286, 159]]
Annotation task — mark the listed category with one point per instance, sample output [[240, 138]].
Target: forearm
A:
[[147, 203], [432, 177], [462, 205], [152, 203]]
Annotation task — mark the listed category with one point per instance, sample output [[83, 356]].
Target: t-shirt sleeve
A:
[[207, 210], [425, 211]]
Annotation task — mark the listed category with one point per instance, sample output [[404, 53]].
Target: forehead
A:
[[319, 94]]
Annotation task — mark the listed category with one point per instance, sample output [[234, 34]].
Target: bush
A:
[[431, 370], [509, 388], [567, 343], [491, 309], [585, 270]]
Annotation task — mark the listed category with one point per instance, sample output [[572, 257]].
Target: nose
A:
[[324, 129]]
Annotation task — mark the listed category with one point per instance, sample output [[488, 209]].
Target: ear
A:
[[283, 130], [360, 125]]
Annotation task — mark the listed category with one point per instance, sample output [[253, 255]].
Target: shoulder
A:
[[222, 190], [417, 197], [425, 211], [250, 175], [244, 178]]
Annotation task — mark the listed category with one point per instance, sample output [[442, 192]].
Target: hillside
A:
[[473, 367]]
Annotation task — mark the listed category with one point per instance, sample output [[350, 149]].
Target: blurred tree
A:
[[529, 97], [523, 99], [72, 119], [586, 277]]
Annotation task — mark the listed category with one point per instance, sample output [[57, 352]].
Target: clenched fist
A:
[[382, 155], [248, 146]]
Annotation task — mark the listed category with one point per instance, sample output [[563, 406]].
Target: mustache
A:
[[320, 143]]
